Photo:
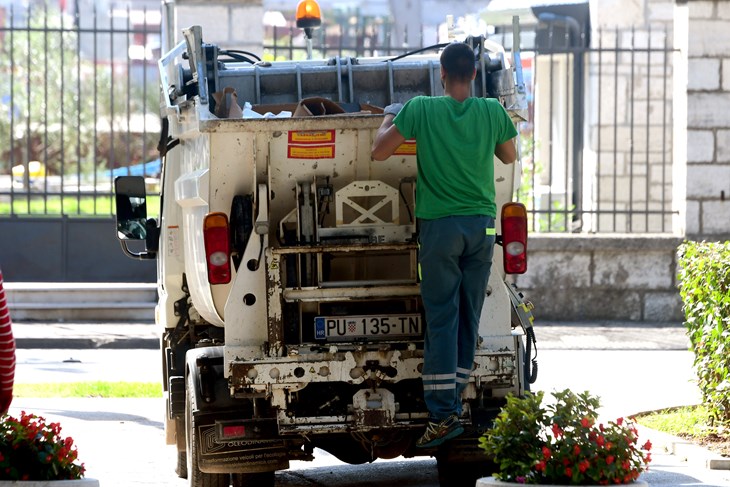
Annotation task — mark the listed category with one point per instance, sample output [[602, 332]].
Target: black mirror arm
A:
[[137, 255]]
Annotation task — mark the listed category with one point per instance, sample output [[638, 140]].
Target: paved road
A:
[[631, 368]]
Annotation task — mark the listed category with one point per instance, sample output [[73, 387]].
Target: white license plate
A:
[[354, 327]]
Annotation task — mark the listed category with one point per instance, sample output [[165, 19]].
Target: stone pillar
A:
[[707, 105]]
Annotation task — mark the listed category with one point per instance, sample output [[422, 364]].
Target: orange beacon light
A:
[[308, 15]]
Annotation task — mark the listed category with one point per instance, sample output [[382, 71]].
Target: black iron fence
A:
[[597, 151], [80, 102], [79, 99], [372, 37]]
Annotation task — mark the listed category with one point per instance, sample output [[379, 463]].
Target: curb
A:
[[86, 335], [88, 343], [685, 450]]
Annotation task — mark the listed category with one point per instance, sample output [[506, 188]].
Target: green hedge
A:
[[704, 284]]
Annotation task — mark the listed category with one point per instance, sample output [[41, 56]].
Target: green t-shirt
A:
[[455, 144]]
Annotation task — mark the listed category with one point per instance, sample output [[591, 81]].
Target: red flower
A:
[[610, 459], [647, 445], [620, 421], [600, 440], [38, 452], [568, 472], [540, 466], [583, 466], [546, 452], [586, 422], [557, 432], [576, 450]]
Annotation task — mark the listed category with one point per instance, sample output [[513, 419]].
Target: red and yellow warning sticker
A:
[[311, 151], [311, 144], [407, 148], [311, 136]]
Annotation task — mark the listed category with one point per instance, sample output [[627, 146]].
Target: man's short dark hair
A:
[[458, 61]]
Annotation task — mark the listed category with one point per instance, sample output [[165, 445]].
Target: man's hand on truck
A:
[[393, 109]]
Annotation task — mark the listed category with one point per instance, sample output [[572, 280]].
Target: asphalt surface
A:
[[677, 462]]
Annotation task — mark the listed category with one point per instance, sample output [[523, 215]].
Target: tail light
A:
[[217, 248], [514, 238]]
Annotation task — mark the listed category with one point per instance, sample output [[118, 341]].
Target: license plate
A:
[[378, 327]]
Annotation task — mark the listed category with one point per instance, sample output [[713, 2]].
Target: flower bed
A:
[[561, 443]]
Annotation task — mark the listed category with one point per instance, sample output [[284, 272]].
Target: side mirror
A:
[[131, 208]]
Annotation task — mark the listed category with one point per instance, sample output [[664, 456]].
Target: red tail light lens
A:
[[217, 250], [514, 238]]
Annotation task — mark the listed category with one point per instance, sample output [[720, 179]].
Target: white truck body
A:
[[317, 339]]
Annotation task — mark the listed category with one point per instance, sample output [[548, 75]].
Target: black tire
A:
[[181, 469], [262, 479], [196, 478]]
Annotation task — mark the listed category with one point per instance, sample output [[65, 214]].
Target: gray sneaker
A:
[[437, 433]]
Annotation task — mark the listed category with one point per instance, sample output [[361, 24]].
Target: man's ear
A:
[[474, 74]]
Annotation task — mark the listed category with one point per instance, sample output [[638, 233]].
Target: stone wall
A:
[[617, 277], [703, 33]]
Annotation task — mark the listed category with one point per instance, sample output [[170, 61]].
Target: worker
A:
[[457, 137], [7, 353]]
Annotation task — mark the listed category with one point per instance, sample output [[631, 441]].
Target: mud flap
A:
[[239, 455]]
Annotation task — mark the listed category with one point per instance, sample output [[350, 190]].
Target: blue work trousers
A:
[[455, 259]]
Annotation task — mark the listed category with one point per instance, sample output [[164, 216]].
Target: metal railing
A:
[[80, 100], [340, 40], [81, 97], [597, 151]]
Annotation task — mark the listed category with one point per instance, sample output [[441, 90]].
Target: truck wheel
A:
[[181, 469], [196, 478], [182, 465], [262, 479]]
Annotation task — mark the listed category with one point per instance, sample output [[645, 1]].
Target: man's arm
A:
[[387, 140], [506, 151]]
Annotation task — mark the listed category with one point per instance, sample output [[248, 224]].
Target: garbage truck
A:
[[289, 309]]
